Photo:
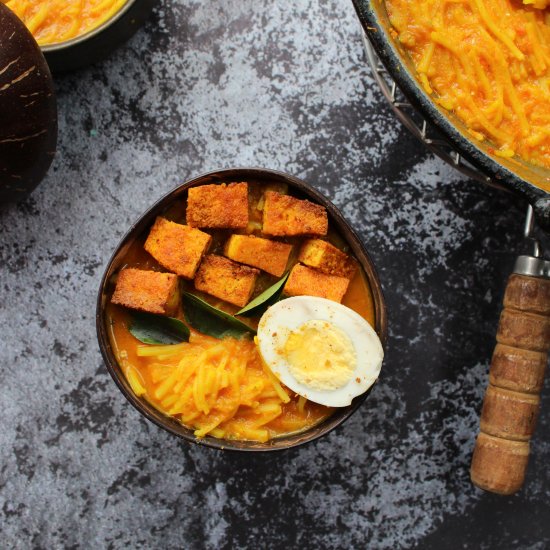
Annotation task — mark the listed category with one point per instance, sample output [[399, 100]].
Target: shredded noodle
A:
[[218, 387]]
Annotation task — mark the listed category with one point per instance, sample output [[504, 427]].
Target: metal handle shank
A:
[[511, 403]]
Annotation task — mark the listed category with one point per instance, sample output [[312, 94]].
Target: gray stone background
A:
[[283, 85]]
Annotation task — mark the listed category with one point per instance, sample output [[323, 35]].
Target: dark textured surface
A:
[[204, 86]]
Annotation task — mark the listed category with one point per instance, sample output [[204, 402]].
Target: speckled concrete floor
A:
[[282, 85]]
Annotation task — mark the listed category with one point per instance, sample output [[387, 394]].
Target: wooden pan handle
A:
[[512, 399]]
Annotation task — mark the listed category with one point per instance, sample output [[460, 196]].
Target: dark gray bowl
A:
[[521, 177], [100, 42], [137, 230]]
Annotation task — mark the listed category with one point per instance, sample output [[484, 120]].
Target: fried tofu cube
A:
[[226, 279], [149, 291], [179, 248], [305, 281], [327, 258], [286, 216], [271, 256], [256, 194], [218, 205]]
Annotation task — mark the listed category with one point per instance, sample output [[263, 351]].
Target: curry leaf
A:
[[211, 320], [156, 329], [267, 298]]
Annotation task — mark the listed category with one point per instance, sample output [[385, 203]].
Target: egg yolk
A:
[[320, 355]]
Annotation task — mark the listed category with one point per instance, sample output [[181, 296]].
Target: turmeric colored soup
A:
[[487, 61], [218, 387], [55, 21]]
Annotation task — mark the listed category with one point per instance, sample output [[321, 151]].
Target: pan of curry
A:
[[479, 71]]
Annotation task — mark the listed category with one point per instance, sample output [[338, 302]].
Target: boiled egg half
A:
[[320, 349]]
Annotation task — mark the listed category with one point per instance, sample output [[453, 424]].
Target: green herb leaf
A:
[[267, 298], [211, 320], [156, 329]]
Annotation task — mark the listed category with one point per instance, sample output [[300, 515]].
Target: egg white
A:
[[286, 316]]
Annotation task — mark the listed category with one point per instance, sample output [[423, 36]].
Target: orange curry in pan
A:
[[487, 61]]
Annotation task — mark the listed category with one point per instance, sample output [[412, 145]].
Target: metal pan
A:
[[500, 456], [523, 178]]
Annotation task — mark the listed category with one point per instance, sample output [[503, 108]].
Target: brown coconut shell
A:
[[28, 111]]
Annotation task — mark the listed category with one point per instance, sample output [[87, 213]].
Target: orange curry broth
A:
[[55, 21], [487, 61], [295, 416], [291, 420]]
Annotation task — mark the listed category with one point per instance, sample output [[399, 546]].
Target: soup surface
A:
[[55, 21], [220, 387], [488, 61]]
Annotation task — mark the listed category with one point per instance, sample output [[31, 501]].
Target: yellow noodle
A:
[[208, 428], [499, 33], [135, 381], [169, 401], [198, 391], [167, 384], [165, 351], [38, 18], [268, 417]]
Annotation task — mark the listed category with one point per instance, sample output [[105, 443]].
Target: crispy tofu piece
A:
[[218, 205], [149, 291], [256, 200], [286, 216], [327, 258], [178, 248], [256, 193], [271, 256], [305, 281], [226, 279]]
